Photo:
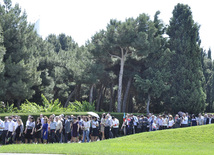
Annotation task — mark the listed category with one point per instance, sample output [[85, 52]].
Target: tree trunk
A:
[[111, 98], [91, 94], [69, 97], [122, 61], [77, 93], [102, 98], [18, 103], [99, 98], [114, 100], [148, 102], [126, 93]]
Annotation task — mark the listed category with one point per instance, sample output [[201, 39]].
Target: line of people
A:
[[141, 123], [58, 129]]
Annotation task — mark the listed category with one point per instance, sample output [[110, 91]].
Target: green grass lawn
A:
[[191, 140]]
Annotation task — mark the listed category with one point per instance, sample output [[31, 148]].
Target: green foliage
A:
[[186, 93], [7, 108], [78, 106], [52, 106]]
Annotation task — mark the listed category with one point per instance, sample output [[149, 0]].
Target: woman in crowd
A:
[[45, 131], [75, 129], [30, 125], [171, 122], [177, 122], [80, 128], [95, 131], [194, 121], [19, 131], [165, 122], [86, 128], [154, 125], [102, 127], [38, 130]]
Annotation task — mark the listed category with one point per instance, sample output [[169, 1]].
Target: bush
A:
[[7, 108]]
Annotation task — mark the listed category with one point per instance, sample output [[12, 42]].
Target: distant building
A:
[[37, 27]]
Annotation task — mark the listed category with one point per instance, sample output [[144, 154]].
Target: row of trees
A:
[[127, 67]]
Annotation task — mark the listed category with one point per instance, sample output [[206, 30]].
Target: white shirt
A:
[[185, 120], [115, 123], [94, 124], [5, 125], [165, 121], [86, 125], [1, 125], [160, 122], [171, 123], [10, 126]]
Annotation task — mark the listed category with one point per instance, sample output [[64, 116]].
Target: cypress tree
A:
[[186, 92]]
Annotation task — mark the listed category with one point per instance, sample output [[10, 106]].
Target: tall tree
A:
[[154, 80], [186, 92], [2, 52], [20, 59]]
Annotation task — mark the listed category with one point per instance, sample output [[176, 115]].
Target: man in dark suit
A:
[[67, 127]]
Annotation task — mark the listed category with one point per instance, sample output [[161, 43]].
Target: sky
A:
[[81, 19]]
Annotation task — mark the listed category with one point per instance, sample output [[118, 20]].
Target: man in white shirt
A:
[[184, 122], [5, 130], [58, 130], [11, 130], [1, 126], [115, 126]]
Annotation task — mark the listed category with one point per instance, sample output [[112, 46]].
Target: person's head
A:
[[66, 117], [41, 115], [45, 120], [193, 116], [170, 117], [38, 120], [57, 118], [19, 121], [153, 117], [184, 115], [75, 119], [29, 117], [9, 118], [5, 118], [79, 118], [32, 119], [86, 119], [113, 117]]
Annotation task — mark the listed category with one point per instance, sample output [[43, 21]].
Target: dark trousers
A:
[[161, 127], [9, 138], [3, 137], [106, 132], [144, 128], [129, 130], [52, 136], [184, 125], [58, 136], [67, 137], [115, 132]]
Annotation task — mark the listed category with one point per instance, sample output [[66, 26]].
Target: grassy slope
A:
[[194, 140]]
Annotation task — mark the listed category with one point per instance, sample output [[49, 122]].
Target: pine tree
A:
[[186, 92], [20, 59]]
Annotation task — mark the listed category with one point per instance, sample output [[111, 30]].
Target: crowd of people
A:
[[60, 129]]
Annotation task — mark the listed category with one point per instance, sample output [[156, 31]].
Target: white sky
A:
[[81, 19]]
